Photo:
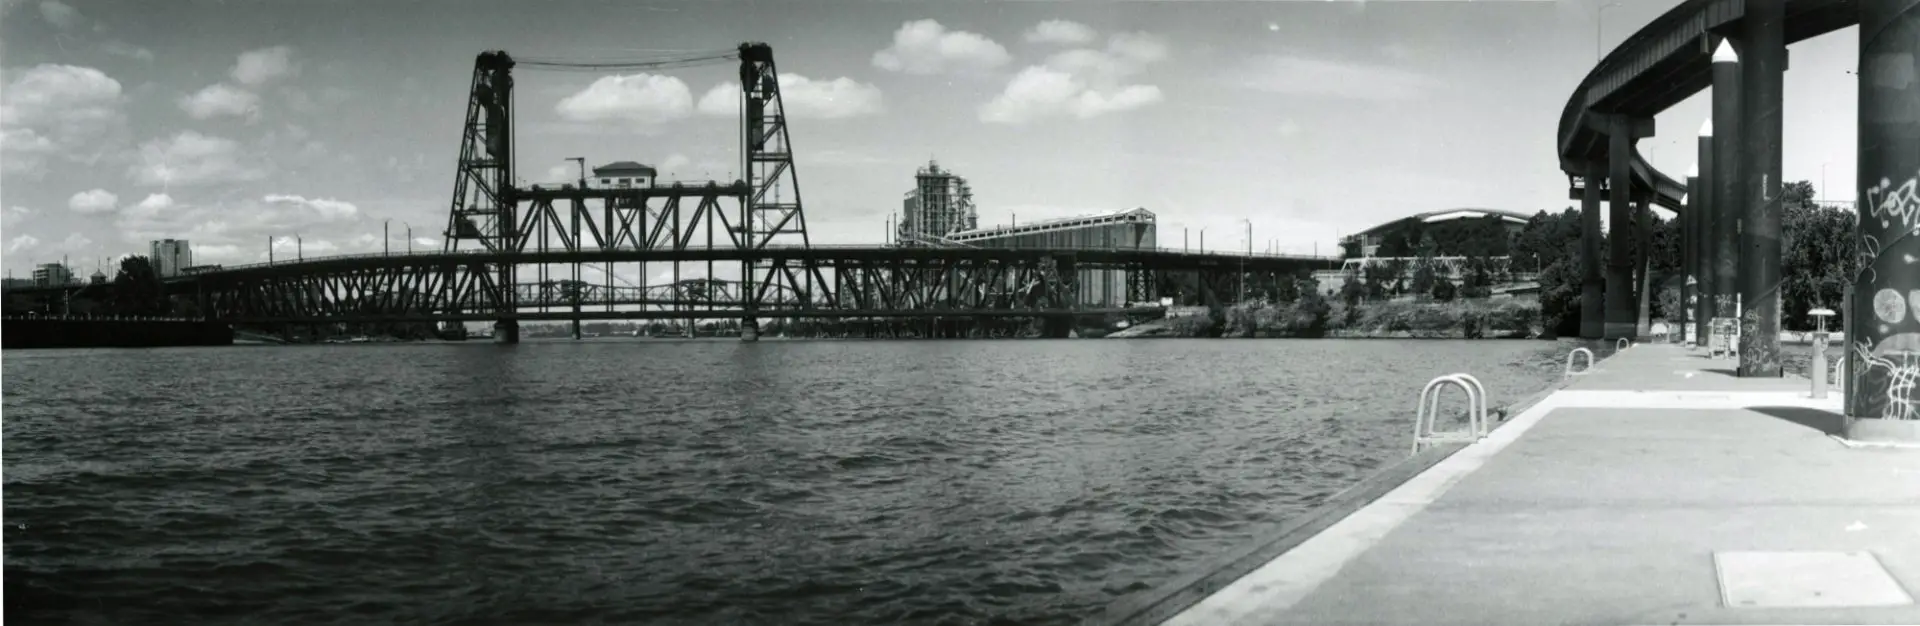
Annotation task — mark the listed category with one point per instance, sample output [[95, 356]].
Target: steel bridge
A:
[[516, 253]]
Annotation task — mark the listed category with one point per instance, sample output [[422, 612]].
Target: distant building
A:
[[940, 204], [170, 256], [625, 175], [52, 275], [1371, 239], [16, 283], [1134, 229], [98, 278]]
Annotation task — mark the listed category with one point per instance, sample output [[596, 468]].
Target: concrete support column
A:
[[1619, 299], [1724, 195], [1707, 249], [749, 329], [1689, 312], [1643, 267], [1884, 349], [1762, 88], [1592, 290], [506, 331]]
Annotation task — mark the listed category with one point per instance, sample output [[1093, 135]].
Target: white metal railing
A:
[[1569, 373], [1428, 412], [1621, 344]]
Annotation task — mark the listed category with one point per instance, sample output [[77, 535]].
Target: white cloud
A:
[[121, 48], [326, 209], [1061, 32], [75, 242], [643, 99], [155, 202], [673, 164], [1081, 83], [804, 98], [221, 99], [256, 67], [22, 243], [59, 14], [94, 201], [1301, 76], [57, 110], [13, 215], [191, 158], [926, 47]]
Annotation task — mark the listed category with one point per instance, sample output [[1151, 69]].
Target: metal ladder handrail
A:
[[1428, 411], [1569, 373]]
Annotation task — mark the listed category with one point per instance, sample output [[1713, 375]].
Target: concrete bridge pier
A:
[[1689, 262], [1592, 288], [1886, 330], [506, 331], [1723, 189], [749, 330], [1701, 203], [1623, 131], [1762, 91]]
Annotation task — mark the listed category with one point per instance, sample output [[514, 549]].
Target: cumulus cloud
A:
[[191, 158], [13, 215], [326, 209], [93, 202], [640, 99], [1061, 32], [1081, 84], [220, 99], [256, 67], [121, 48], [22, 243], [926, 47], [1351, 80], [804, 98], [60, 15], [56, 110]]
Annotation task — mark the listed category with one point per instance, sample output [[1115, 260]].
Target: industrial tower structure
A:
[[940, 204]]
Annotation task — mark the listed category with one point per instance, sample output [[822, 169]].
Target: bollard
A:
[[1819, 364]]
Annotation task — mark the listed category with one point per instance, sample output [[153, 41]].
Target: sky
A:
[[230, 123]]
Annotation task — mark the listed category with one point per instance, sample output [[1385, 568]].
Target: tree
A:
[[1425, 271], [137, 289], [1353, 291], [1818, 257], [1443, 290]]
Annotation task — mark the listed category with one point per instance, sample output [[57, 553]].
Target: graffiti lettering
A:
[[1889, 203]]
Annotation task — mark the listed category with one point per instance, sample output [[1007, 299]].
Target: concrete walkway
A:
[[1657, 489]]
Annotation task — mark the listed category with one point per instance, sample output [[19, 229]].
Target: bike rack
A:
[[1569, 373], [1621, 344], [1428, 412]]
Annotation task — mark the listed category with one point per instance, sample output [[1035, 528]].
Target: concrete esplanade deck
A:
[[1655, 489]]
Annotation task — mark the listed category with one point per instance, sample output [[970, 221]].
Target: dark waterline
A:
[[681, 482]]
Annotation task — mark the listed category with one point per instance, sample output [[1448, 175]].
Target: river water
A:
[[682, 482]]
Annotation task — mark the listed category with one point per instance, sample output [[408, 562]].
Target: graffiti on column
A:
[[1887, 350]]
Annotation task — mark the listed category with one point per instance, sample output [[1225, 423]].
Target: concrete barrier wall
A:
[[23, 333]]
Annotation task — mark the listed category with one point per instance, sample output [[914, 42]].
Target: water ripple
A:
[[686, 482]]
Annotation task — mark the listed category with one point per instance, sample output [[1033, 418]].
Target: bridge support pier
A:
[[1726, 189], [506, 331], [1592, 288], [749, 330], [1883, 349], [1620, 252], [1701, 202], [1762, 91]]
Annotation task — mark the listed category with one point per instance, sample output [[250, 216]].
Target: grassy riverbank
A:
[[1465, 319]]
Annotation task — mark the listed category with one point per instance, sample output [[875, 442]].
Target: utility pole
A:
[[583, 170], [299, 249], [386, 237], [269, 249], [409, 237]]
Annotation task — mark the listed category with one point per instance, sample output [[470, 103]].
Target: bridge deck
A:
[[1636, 495]]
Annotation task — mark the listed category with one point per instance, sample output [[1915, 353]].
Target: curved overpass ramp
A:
[[1665, 62]]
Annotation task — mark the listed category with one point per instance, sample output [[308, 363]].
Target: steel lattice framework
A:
[[555, 252]]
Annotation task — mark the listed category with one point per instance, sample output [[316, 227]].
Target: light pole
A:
[[269, 249], [299, 249], [1823, 182], [1203, 240], [1599, 20], [386, 237], [409, 237]]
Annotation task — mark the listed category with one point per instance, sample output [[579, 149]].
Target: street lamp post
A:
[[386, 237], [409, 237], [299, 249], [1599, 20]]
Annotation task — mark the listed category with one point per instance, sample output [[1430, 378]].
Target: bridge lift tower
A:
[[486, 214]]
